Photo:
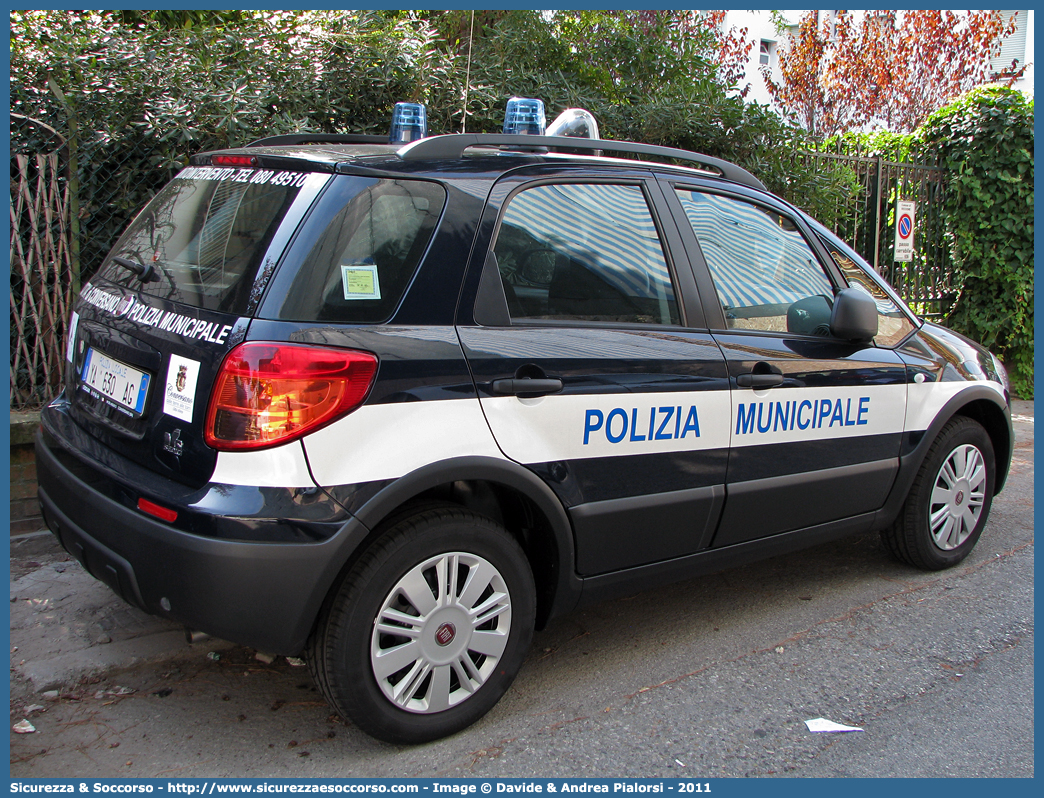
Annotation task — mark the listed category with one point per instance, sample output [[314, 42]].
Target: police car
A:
[[392, 405]]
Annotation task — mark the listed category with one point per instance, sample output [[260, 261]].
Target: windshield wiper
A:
[[144, 271]]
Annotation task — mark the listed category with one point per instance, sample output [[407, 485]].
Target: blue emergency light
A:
[[525, 116], [409, 123]]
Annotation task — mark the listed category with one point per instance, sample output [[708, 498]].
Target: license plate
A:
[[115, 381]]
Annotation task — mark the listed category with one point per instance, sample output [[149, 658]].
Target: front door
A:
[[598, 378], [817, 421]]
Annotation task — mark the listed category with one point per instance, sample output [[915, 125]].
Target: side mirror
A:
[[854, 317]]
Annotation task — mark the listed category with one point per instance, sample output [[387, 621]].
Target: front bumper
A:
[[262, 594]]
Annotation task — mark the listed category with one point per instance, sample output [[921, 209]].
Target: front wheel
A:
[[428, 629], [949, 501]]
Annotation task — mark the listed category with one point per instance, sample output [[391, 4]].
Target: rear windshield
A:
[[366, 253], [206, 233]]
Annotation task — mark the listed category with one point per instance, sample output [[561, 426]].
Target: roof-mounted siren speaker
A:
[[409, 123], [524, 116], [575, 123]]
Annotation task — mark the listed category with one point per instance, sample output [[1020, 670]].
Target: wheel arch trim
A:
[[566, 585], [990, 411]]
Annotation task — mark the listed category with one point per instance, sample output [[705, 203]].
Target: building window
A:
[[1012, 55], [765, 54]]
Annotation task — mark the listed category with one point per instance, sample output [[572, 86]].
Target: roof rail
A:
[[295, 139], [452, 146]]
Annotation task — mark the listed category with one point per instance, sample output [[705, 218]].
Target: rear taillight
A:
[[269, 393]]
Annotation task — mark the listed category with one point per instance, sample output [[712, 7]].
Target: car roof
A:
[[332, 153]]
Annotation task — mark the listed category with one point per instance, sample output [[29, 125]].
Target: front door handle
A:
[[759, 380], [526, 387], [763, 375]]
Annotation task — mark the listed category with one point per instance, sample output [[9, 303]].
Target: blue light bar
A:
[[525, 116], [409, 123]]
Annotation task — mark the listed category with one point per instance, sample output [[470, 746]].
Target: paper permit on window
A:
[[360, 281]]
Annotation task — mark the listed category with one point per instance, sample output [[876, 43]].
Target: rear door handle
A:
[[526, 387]]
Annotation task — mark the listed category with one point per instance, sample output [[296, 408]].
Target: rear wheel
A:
[[949, 501], [428, 629]]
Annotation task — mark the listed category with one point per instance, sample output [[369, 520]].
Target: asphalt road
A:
[[705, 679]]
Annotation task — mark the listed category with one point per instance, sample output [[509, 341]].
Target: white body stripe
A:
[[387, 441], [606, 425], [553, 428], [928, 398], [281, 467], [792, 415]]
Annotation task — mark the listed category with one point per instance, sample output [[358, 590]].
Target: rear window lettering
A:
[[256, 176], [132, 309], [206, 234]]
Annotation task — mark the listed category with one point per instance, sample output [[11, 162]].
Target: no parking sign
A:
[[905, 211]]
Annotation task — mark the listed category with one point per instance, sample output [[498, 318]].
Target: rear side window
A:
[[766, 275], [206, 233], [360, 265], [584, 252]]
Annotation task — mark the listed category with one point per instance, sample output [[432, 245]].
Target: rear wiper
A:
[[144, 271]]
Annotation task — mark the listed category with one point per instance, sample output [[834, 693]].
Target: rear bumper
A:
[[263, 594]]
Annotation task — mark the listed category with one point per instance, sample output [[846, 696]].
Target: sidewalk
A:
[[66, 626]]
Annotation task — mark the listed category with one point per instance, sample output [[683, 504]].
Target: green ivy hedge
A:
[[985, 142]]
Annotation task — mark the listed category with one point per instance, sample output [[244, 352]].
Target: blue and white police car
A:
[[394, 404]]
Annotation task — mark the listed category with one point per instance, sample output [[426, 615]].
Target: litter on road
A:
[[824, 725]]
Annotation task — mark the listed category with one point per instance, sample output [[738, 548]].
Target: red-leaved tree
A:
[[887, 69]]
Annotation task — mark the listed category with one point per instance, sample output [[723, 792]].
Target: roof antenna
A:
[[467, 76]]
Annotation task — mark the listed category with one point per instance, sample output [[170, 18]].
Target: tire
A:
[[447, 667], [949, 501]]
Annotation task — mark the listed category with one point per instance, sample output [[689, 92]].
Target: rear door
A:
[[175, 295], [816, 421], [596, 371]]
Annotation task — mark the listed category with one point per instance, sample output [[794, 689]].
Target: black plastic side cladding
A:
[[563, 586]]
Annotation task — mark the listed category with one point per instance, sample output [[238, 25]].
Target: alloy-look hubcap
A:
[[957, 497], [440, 632]]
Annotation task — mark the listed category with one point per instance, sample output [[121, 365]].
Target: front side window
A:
[[584, 252], [892, 324], [765, 273]]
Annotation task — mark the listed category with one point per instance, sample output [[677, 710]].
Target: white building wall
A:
[[760, 28]]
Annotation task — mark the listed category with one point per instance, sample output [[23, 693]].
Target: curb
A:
[[67, 670], [66, 626]]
